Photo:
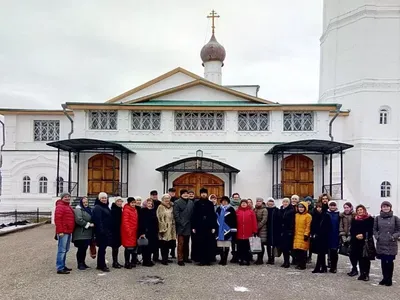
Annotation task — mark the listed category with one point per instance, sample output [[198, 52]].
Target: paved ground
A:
[[27, 271]]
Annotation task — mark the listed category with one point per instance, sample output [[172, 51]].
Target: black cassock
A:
[[204, 221]]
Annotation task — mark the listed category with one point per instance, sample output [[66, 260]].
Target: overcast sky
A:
[[53, 52]]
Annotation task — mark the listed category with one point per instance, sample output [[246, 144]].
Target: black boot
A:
[[384, 272], [390, 269], [115, 263], [353, 272]]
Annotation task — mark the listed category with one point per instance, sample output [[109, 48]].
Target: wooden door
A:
[[103, 174], [196, 181], [298, 176]]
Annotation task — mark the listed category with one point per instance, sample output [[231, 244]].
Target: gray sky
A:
[[57, 51]]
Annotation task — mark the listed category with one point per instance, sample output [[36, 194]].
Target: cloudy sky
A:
[[58, 51]]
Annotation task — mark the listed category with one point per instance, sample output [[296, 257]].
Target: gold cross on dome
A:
[[213, 15]]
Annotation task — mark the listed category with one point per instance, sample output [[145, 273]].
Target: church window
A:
[[103, 119], [202, 121], [146, 120], [46, 130], [385, 189], [383, 116], [298, 121], [26, 185], [43, 185], [253, 121]]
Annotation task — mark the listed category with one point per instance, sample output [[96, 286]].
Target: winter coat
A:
[[129, 226], [302, 228], [345, 222], [203, 218], [229, 221], [166, 223], [334, 233], [262, 219], [246, 223], [273, 226], [64, 217], [320, 229], [287, 228], [82, 230], [183, 210], [148, 224], [103, 223], [387, 232], [116, 213], [364, 227]]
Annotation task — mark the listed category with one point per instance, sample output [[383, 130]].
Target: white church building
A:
[[188, 131]]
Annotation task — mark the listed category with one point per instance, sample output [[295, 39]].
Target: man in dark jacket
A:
[[334, 214], [64, 219], [116, 212], [204, 226], [273, 230], [154, 197], [183, 210]]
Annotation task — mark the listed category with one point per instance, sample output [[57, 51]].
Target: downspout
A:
[[3, 143], [337, 112], [64, 107]]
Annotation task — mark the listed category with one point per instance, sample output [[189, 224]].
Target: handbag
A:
[[277, 252], [369, 250], [344, 249], [142, 242], [93, 251], [255, 244]]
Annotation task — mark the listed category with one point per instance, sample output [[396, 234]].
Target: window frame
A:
[[48, 138], [43, 185], [386, 189], [60, 182], [258, 121], [383, 116], [219, 116], [154, 115], [292, 113], [98, 117], [26, 185]]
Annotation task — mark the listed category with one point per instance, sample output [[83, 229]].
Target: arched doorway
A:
[[297, 176], [103, 174], [195, 181]]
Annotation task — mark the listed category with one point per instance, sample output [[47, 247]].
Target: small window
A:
[[385, 189], [46, 130], [43, 185], [298, 121], [103, 119], [60, 182], [383, 116], [26, 185], [146, 120], [253, 121]]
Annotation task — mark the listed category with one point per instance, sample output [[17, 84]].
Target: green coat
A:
[[82, 230]]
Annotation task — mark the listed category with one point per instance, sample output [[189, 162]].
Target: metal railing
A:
[[16, 217], [277, 191], [335, 193]]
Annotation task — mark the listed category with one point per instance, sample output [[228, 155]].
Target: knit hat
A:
[[243, 200], [333, 203], [348, 204], [225, 198], [64, 195], [203, 191], [308, 198], [130, 199], [386, 203], [212, 196]]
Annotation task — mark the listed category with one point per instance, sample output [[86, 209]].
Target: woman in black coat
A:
[[273, 230], [287, 214], [148, 228], [103, 225], [116, 212], [320, 228], [362, 227]]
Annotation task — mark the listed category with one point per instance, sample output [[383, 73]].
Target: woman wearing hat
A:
[[286, 213], [129, 229], [227, 224], [387, 232]]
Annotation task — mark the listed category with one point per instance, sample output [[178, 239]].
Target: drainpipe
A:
[[64, 107], [338, 106], [4, 142]]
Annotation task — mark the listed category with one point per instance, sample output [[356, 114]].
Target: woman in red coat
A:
[[129, 230], [246, 228]]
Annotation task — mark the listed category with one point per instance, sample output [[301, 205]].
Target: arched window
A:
[[60, 182], [383, 116], [26, 185], [385, 189], [43, 185]]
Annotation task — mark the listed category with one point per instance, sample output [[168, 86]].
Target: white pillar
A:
[[213, 71]]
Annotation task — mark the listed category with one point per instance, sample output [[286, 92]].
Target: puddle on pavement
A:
[[151, 280]]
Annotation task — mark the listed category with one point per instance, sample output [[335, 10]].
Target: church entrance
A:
[[103, 174], [297, 176], [195, 181]]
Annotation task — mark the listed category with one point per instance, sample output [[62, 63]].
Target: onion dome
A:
[[212, 51]]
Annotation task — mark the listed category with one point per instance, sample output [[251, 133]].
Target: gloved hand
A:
[[306, 238], [344, 239]]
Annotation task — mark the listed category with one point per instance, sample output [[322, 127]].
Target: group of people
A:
[[213, 227]]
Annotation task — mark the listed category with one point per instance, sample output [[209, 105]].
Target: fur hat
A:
[[203, 191], [386, 203]]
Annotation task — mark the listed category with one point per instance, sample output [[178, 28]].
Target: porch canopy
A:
[[325, 148], [197, 164], [90, 146]]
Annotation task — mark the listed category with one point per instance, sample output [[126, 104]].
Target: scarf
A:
[[87, 209], [386, 214], [223, 228], [362, 217]]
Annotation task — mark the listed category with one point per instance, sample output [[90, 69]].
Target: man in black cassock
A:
[[204, 226]]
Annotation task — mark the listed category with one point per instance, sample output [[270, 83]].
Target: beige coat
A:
[[166, 223]]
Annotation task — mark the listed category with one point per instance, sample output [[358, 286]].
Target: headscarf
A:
[[364, 216], [87, 209]]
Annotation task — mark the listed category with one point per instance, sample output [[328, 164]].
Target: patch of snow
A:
[[101, 274], [293, 273], [12, 228], [241, 289]]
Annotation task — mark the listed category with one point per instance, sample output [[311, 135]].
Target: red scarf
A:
[[364, 216]]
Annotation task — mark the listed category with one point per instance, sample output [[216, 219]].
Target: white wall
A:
[[249, 89]]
